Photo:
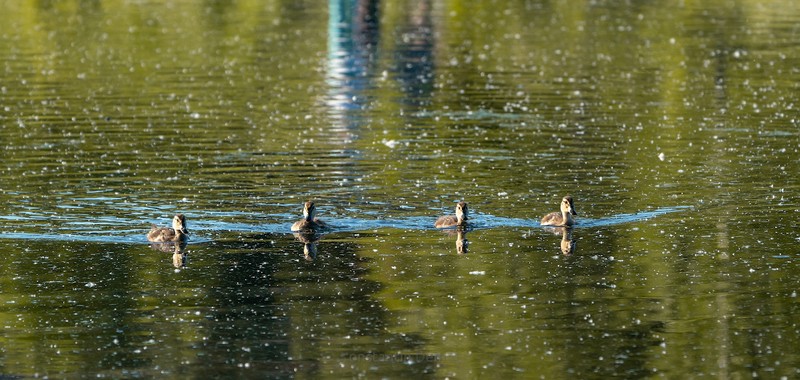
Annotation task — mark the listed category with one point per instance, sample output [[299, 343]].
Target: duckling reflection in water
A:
[[309, 241], [563, 218], [179, 256], [459, 219], [568, 244], [310, 222], [178, 232], [177, 248], [462, 244]]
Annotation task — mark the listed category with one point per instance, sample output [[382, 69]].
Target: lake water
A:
[[674, 125]]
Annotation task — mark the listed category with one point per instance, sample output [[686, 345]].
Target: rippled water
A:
[[675, 131]]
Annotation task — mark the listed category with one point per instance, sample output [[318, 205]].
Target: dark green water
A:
[[674, 125]]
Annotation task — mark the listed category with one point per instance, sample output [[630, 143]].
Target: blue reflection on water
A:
[[121, 230], [629, 218], [73, 237]]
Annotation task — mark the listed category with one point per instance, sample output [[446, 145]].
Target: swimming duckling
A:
[[178, 232], [460, 219], [309, 221], [563, 218]]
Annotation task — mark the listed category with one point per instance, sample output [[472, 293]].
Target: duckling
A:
[[563, 218], [309, 221], [178, 232], [460, 219]]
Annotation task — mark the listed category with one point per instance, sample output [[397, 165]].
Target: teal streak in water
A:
[[98, 238], [491, 221], [629, 218], [115, 230]]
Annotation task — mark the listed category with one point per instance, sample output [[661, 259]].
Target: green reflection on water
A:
[[116, 114]]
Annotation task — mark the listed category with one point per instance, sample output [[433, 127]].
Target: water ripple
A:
[[630, 218], [121, 230]]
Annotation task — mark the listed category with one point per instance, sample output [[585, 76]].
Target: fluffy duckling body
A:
[[177, 233], [459, 219], [563, 218], [310, 220]]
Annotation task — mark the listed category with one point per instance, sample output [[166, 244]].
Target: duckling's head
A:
[[567, 206], [309, 211], [461, 211], [179, 224]]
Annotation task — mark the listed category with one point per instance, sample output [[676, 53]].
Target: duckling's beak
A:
[[573, 211], [185, 230]]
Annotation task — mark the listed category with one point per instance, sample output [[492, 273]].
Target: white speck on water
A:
[[390, 143], [90, 284], [478, 272], [661, 156], [502, 194]]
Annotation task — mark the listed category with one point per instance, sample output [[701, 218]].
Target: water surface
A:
[[675, 131]]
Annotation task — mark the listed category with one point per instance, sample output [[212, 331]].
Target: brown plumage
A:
[[178, 232], [459, 219], [309, 221], [563, 218]]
